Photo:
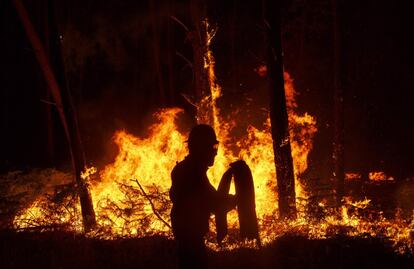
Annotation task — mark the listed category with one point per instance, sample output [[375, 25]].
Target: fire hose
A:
[[245, 202]]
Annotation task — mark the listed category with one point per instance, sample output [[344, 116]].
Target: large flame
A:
[[131, 194]]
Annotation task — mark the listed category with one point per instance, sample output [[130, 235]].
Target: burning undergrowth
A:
[[45, 191], [130, 195]]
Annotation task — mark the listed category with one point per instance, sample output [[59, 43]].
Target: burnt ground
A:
[[67, 250]]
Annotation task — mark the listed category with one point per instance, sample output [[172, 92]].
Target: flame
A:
[[375, 176], [352, 176], [145, 161], [131, 194], [379, 176]]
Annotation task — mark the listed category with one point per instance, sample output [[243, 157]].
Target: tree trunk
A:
[[278, 111], [170, 53], [66, 115], [233, 37], [338, 141], [47, 107], [157, 53], [198, 37]]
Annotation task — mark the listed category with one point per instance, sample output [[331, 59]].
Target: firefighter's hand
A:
[[228, 174], [231, 202], [238, 166]]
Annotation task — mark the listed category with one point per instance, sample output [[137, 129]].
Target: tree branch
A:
[[180, 23], [152, 205]]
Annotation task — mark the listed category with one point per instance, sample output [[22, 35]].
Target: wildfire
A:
[[130, 195]]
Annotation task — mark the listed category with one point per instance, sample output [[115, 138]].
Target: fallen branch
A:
[[151, 203]]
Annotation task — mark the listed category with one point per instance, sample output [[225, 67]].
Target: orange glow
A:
[[379, 176], [123, 209], [353, 176], [261, 70]]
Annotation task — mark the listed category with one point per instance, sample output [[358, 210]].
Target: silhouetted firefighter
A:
[[194, 198]]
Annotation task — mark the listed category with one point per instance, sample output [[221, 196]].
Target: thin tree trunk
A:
[[156, 51], [47, 107], [302, 39], [338, 141], [71, 118], [69, 125], [198, 37], [170, 53], [233, 37], [278, 111]]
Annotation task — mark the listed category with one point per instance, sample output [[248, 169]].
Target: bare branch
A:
[[185, 59], [48, 102], [180, 23], [152, 205], [188, 99]]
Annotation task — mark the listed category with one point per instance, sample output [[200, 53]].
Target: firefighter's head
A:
[[203, 144]]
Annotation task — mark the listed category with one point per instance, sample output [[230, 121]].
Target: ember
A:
[[379, 176]]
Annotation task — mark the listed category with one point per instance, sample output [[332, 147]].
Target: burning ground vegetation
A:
[[131, 202], [41, 211], [41, 214]]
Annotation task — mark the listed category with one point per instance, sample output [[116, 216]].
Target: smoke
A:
[[109, 74], [110, 68]]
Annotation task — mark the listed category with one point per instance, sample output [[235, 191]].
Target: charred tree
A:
[[66, 111], [338, 139], [278, 111], [198, 38]]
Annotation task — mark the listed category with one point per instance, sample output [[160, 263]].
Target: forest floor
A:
[[60, 250]]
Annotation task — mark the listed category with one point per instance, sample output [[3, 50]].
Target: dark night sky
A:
[[109, 63]]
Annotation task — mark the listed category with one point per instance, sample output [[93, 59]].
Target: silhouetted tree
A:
[[156, 51], [67, 115], [198, 38], [278, 111], [338, 141]]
